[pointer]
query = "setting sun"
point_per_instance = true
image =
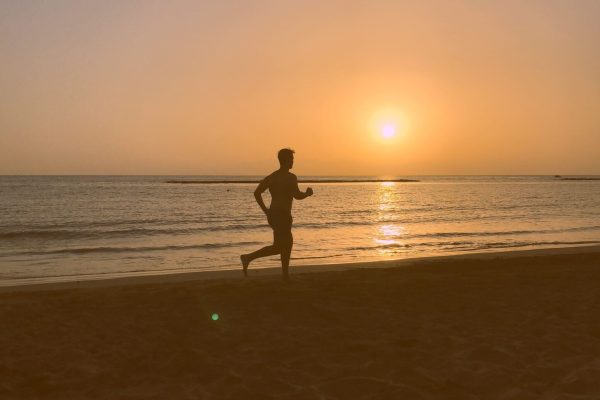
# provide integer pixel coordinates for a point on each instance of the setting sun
(387, 124)
(388, 130)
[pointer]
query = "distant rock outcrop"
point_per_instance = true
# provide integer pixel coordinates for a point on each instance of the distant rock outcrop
(299, 181)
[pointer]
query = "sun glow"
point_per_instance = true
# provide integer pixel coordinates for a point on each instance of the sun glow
(388, 124)
(388, 130)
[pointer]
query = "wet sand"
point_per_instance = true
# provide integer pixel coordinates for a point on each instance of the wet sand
(520, 325)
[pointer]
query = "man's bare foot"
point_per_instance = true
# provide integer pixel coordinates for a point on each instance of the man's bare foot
(245, 263)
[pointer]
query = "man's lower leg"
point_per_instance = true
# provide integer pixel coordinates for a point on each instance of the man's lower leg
(286, 253)
(264, 252)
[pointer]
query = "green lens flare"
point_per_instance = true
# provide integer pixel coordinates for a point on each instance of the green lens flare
(215, 316)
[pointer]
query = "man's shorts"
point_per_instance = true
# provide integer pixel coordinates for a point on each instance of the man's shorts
(280, 220)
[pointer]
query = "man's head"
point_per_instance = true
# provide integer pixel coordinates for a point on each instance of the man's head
(286, 158)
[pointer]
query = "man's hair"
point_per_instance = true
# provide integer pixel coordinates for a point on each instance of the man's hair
(285, 154)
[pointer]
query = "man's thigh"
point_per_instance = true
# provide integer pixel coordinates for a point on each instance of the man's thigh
(283, 237)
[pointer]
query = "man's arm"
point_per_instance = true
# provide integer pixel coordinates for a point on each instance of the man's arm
(298, 195)
(262, 186)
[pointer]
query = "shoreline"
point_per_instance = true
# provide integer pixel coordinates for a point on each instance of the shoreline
(152, 277)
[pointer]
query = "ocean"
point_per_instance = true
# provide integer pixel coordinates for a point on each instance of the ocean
(73, 227)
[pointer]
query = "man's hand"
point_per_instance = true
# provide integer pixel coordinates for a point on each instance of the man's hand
(309, 192)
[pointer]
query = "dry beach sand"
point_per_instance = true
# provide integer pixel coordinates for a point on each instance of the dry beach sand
(520, 325)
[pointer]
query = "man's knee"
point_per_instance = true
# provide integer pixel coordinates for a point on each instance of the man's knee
(287, 245)
(287, 238)
(277, 245)
(284, 246)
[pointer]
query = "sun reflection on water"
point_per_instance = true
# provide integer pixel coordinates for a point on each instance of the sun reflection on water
(386, 196)
(388, 234)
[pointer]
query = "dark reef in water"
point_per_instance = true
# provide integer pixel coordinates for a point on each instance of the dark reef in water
(580, 179)
(301, 181)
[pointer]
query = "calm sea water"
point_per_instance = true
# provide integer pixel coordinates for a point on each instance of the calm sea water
(76, 226)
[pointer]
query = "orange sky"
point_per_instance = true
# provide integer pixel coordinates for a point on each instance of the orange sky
(190, 87)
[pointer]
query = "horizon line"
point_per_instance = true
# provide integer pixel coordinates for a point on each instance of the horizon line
(381, 176)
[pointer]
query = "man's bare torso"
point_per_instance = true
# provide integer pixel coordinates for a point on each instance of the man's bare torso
(282, 185)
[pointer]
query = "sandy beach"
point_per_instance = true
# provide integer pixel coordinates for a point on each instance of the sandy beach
(519, 325)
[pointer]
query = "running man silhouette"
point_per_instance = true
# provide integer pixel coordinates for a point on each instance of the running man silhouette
(283, 186)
